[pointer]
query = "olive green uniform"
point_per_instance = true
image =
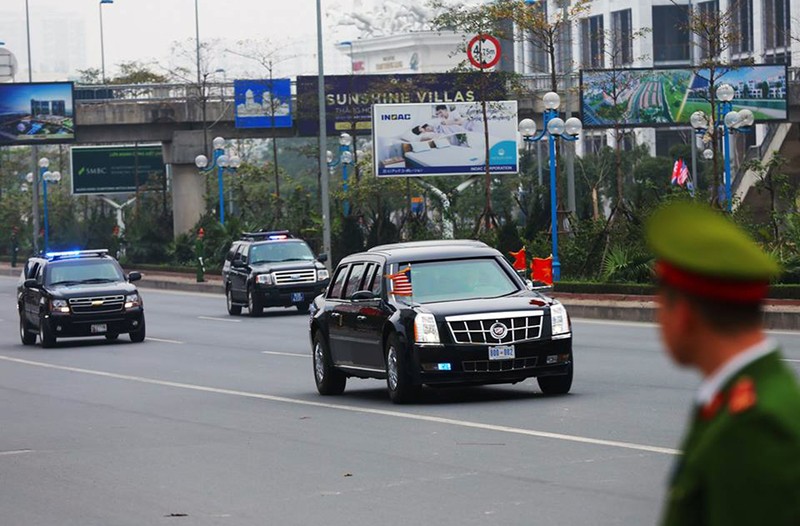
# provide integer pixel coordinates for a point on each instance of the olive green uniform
(742, 467)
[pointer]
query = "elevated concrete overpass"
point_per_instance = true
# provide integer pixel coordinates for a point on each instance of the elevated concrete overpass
(184, 118)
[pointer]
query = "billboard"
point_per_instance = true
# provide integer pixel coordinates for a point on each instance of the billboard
(36, 113)
(669, 96)
(349, 98)
(444, 139)
(114, 169)
(254, 99)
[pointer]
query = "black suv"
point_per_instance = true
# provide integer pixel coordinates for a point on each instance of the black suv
(272, 269)
(437, 313)
(78, 293)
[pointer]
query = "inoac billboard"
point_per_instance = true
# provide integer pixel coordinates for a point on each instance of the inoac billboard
(114, 169)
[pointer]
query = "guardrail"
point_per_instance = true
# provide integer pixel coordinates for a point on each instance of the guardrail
(110, 93)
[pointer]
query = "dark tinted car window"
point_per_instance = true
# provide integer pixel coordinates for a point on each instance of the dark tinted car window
(338, 281)
(456, 280)
(376, 283)
(276, 252)
(354, 281)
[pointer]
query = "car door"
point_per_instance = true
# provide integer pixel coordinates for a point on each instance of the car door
(238, 275)
(370, 316)
(27, 296)
(337, 340)
(36, 294)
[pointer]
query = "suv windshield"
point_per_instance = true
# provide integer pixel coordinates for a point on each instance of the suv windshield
(459, 280)
(276, 252)
(82, 271)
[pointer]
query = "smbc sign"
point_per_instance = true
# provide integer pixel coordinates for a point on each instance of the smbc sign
(114, 169)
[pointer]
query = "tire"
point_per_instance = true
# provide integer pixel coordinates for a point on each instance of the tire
(254, 306)
(27, 337)
(556, 385)
(233, 310)
(402, 389)
(46, 336)
(138, 335)
(302, 308)
(329, 379)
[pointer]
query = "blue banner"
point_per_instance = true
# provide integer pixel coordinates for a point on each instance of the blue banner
(263, 103)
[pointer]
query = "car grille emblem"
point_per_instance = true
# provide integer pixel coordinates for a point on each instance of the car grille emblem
(97, 303)
(498, 330)
(295, 277)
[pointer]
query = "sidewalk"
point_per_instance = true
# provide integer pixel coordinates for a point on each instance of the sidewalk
(778, 314)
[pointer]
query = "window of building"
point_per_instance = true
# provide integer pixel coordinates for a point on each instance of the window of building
(622, 38)
(708, 12)
(777, 24)
(670, 33)
(594, 142)
(564, 56)
(592, 42)
(743, 26)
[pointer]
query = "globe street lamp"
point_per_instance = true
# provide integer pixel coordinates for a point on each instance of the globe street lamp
(555, 128)
(47, 177)
(345, 159)
(222, 162)
(727, 119)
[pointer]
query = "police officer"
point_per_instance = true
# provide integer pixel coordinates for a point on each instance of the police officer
(741, 454)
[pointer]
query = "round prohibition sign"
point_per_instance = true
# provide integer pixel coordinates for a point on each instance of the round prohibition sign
(483, 51)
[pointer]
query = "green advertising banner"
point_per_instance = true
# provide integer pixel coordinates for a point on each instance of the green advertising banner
(114, 169)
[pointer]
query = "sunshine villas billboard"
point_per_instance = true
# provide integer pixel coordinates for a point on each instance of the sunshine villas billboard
(669, 96)
(444, 139)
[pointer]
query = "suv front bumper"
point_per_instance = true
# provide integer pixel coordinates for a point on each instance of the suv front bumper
(66, 325)
(288, 295)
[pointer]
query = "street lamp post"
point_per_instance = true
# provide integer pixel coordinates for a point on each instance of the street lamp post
(102, 40)
(222, 162)
(727, 120)
(47, 177)
(346, 159)
(555, 128)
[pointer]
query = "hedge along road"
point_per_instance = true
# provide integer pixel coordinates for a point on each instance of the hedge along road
(217, 417)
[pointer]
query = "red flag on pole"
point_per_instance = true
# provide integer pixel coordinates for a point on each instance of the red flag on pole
(542, 270)
(520, 259)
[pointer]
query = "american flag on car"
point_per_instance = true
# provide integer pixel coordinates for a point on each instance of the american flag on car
(401, 282)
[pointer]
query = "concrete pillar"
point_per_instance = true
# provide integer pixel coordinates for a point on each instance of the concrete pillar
(188, 197)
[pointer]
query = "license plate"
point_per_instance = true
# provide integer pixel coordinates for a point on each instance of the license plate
(501, 352)
(98, 328)
(297, 297)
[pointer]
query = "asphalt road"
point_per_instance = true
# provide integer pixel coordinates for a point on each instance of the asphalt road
(215, 420)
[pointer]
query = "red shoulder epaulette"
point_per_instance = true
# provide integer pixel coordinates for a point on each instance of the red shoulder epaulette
(742, 395)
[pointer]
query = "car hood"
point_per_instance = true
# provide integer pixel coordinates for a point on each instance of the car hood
(97, 289)
(521, 301)
(286, 265)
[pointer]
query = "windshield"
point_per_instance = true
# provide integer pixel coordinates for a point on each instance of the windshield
(459, 280)
(276, 252)
(83, 271)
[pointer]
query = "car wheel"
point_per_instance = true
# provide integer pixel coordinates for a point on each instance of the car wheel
(401, 388)
(139, 334)
(25, 334)
(556, 385)
(302, 308)
(254, 305)
(112, 336)
(46, 335)
(233, 310)
(329, 379)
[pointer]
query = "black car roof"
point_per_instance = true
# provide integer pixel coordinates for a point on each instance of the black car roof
(446, 249)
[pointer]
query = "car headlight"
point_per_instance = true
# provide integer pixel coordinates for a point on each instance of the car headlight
(59, 306)
(559, 321)
(322, 275)
(264, 279)
(425, 329)
(133, 300)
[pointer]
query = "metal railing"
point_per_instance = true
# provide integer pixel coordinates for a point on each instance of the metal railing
(110, 93)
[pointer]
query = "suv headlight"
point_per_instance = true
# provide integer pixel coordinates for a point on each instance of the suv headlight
(132, 301)
(425, 329)
(59, 306)
(322, 275)
(559, 321)
(264, 279)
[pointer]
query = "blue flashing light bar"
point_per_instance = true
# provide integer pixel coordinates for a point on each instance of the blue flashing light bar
(66, 254)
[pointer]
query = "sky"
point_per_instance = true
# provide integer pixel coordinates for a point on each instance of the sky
(69, 30)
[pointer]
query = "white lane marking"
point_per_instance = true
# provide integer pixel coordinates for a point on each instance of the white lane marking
(356, 409)
(154, 290)
(218, 319)
(788, 360)
(276, 353)
(16, 452)
(164, 340)
(643, 324)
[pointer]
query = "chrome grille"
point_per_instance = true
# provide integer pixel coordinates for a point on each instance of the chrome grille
(476, 328)
(97, 304)
(498, 366)
(292, 277)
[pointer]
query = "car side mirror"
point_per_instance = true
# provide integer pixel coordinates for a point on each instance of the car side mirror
(362, 295)
(531, 286)
(238, 264)
(134, 276)
(30, 284)
(322, 258)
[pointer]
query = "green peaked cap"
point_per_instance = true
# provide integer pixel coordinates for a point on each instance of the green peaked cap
(698, 239)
